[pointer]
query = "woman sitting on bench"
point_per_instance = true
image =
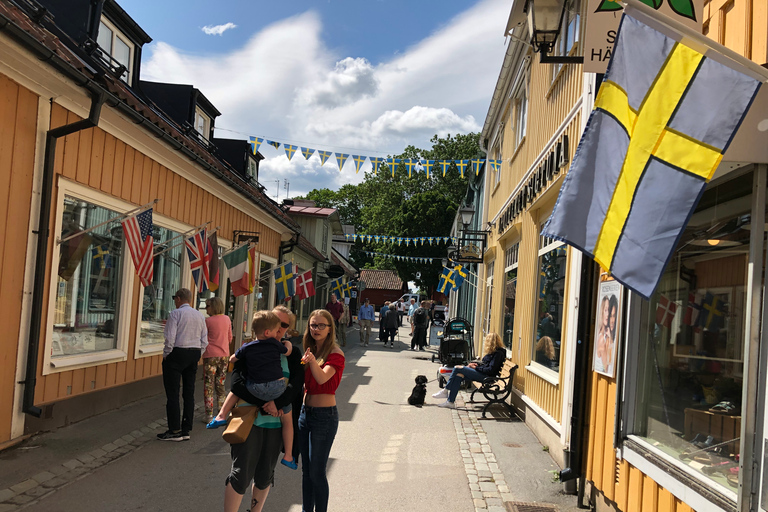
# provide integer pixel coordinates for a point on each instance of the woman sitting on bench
(490, 366)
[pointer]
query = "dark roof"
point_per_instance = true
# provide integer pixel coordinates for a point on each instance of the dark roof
(311, 211)
(123, 98)
(381, 279)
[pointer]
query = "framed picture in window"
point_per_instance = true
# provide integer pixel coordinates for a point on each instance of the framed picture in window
(607, 327)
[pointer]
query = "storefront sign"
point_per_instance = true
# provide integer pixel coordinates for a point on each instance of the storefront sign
(603, 18)
(548, 169)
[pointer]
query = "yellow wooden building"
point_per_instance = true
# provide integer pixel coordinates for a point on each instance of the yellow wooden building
(674, 419)
(82, 335)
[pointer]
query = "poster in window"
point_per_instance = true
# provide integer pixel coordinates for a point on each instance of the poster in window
(607, 328)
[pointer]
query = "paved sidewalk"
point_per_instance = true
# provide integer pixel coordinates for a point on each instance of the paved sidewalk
(387, 456)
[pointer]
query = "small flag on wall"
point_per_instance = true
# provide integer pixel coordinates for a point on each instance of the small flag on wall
(305, 288)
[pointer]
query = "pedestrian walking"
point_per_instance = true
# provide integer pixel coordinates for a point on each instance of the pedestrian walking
(319, 420)
(216, 356)
(411, 310)
(382, 314)
(335, 308)
(343, 321)
(389, 326)
(400, 312)
(186, 338)
(420, 323)
(254, 461)
(366, 317)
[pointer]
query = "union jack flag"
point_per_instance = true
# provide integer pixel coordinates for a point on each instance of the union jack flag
(138, 236)
(199, 259)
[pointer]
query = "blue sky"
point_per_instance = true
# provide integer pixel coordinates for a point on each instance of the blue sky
(363, 77)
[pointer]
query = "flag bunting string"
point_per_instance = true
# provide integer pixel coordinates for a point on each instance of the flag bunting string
(397, 257)
(399, 240)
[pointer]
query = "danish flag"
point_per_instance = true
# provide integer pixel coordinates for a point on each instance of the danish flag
(305, 288)
(665, 311)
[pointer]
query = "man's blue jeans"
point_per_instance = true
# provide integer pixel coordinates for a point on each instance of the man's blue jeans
(317, 430)
(455, 380)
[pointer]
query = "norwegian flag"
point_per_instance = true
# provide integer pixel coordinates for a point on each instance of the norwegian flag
(138, 236)
(691, 316)
(305, 288)
(199, 259)
(665, 311)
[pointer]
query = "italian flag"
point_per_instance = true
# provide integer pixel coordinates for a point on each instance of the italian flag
(241, 264)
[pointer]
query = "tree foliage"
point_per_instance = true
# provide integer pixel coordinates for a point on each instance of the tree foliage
(405, 206)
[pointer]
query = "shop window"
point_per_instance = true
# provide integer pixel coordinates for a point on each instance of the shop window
(157, 301)
(510, 288)
(90, 280)
(549, 299)
(488, 299)
(692, 337)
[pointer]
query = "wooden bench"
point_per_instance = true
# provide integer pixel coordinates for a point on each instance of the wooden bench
(497, 389)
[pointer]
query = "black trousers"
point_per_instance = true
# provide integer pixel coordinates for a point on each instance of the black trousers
(179, 370)
(419, 338)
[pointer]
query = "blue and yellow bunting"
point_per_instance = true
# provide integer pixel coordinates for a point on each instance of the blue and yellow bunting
(324, 156)
(341, 158)
(307, 152)
(289, 150)
(255, 142)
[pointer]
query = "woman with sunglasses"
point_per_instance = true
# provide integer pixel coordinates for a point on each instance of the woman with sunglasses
(319, 419)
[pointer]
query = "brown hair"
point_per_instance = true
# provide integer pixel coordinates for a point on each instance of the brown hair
(216, 305)
(546, 347)
(330, 340)
(263, 320)
(492, 343)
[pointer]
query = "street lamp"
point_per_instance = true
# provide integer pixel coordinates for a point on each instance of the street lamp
(466, 213)
(545, 17)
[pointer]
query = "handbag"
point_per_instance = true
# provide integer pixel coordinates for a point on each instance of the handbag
(240, 425)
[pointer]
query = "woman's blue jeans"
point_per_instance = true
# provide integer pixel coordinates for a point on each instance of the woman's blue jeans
(317, 430)
(455, 381)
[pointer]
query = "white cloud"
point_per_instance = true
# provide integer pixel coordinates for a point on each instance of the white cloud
(217, 30)
(287, 85)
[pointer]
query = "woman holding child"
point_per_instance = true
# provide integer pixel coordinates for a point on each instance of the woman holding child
(319, 419)
(254, 461)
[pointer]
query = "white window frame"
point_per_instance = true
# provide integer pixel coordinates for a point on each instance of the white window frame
(186, 280)
(521, 116)
(488, 298)
(563, 46)
(206, 122)
(511, 262)
(117, 33)
(120, 352)
(545, 245)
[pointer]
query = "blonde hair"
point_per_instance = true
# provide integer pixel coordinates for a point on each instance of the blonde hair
(284, 310)
(546, 346)
(492, 343)
(263, 320)
(330, 340)
(216, 305)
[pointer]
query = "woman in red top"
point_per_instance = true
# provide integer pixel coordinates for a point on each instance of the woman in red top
(319, 419)
(216, 357)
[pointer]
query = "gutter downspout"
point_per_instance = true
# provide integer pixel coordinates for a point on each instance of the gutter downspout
(43, 232)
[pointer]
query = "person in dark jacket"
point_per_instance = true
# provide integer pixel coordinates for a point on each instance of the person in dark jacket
(389, 326)
(420, 326)
(490, 366)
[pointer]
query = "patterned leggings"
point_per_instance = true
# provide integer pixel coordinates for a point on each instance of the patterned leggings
(214, 374)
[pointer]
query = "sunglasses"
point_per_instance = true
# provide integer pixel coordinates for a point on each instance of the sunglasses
(284, 325)
(318, 327)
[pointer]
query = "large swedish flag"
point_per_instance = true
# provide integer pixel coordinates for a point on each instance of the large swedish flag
(285, 282)
(663, 117)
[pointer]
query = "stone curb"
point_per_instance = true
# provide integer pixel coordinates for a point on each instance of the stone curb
(486, 482)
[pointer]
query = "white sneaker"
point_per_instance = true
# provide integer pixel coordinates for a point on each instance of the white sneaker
(448, 405)
(443, 393)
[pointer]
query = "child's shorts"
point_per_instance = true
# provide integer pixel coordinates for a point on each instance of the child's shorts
(266, 390)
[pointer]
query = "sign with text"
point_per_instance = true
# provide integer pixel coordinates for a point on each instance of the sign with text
(603, 18)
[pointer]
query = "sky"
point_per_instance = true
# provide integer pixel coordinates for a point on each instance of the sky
(364, 77)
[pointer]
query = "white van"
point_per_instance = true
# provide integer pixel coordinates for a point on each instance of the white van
(408, 296)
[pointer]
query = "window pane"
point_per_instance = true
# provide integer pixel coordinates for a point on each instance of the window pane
(265, 284)
(509, 307)
(692, 331)
(158, 296)
(104, 39)
(89, 282)
(122, 54)
(550, 308)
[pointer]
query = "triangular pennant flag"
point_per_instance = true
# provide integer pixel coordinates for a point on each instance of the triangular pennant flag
(461, 165)
(427, 166)
(273, 143)
(359, 161)
(410, 165)
(444, 165)
(307, 152)
(289, 150)
(392, 163)
(476, 165)
(340, 159)
(255, 142)
(376, 162)
(323, 156)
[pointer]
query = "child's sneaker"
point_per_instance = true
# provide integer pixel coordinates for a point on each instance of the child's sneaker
(289, 463)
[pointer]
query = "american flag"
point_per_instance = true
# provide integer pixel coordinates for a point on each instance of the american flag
(199, 259)
(305, 288)
(138, 235)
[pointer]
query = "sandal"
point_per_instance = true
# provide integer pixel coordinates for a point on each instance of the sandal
(724, 407)
(214, 423)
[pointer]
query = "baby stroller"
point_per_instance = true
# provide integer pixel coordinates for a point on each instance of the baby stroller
(455, 348)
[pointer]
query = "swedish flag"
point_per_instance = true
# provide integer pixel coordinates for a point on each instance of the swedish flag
(323, 156)
(392, 163)
(340, 159)
(461, 165)
(285, 282)
(290, 150)
(255, 142)
(427, 165)
(447, 282)
(336, 288)
(307, 152)
(273, 143)
(444, 165)
(663, 117)
(359, 161)
(410, 165)
(376, 163)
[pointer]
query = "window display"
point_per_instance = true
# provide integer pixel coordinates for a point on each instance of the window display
(89, 281)
(552, 258)
(510, 288)
(693, 337)
(157, 302)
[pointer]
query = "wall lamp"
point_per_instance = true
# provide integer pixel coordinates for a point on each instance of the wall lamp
(545, 17)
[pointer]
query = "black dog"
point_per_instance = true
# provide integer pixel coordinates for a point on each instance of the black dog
(419, 391)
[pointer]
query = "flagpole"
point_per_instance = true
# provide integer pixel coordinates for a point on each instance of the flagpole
(125, 215)
(182, 242)
(190, 232)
